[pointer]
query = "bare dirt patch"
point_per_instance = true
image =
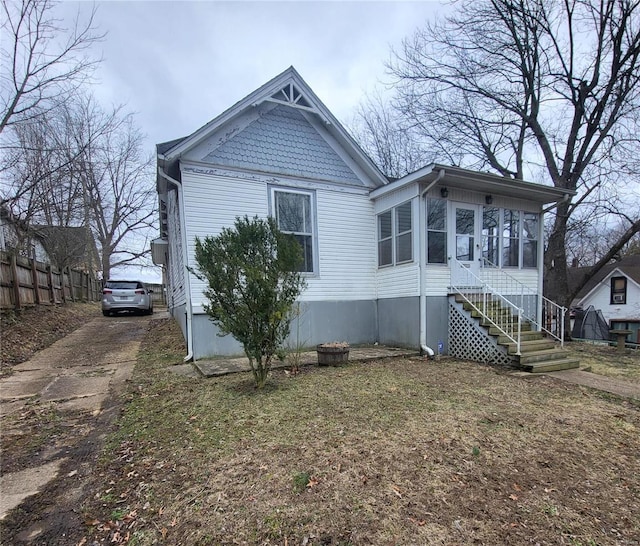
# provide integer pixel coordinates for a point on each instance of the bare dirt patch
(396, 452)
(34, 328)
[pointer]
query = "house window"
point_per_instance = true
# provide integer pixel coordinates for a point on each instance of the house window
(293, 213)
(530, 240)
(404, 239)
(618, 290)
(511, 238)
(385, 239)
(490, 235)
(436, 231)
(395, 235)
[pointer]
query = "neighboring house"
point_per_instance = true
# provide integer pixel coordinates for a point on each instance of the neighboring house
(615, 291)
(60, 246)
(383, 259)
(69, 246)
(15, 236)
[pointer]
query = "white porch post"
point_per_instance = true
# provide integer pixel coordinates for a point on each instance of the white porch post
(540, 270)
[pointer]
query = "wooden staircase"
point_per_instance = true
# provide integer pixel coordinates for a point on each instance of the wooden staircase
(538, 353)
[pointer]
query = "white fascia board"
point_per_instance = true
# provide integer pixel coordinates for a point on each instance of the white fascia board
(411, 178)
(457, 177)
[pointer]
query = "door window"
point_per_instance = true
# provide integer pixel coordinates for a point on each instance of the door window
(465, 229)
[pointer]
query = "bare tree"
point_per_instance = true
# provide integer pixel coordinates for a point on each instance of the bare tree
(387, 137)
(510, 85)
(119, 194)
(81, 166)
(42, 62)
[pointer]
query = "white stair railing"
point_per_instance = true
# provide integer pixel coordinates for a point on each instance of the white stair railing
(526, 298)
(493, 307)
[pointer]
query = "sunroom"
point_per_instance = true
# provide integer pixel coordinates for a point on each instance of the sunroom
(449, 238)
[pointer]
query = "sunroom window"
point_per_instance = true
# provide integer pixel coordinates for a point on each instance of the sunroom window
(294, 215)
(511, 238)
(491, 235)
(404, 240)
(530, 240)
(436, 231)
(395, 235)
(385, 239)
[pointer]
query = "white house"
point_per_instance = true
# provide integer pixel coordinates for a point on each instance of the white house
(615, 291)
(402, 262)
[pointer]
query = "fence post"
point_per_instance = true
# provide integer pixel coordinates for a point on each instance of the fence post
(34, 282)
(16, 283)
(71, 287)
(50, 287)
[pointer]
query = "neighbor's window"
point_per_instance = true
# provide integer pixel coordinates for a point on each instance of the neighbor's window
(511, 238)
(530, 240)
(293, 213)
(618, 290)
(385, 239)
(404, 240)
(491, 235)
(436, 231)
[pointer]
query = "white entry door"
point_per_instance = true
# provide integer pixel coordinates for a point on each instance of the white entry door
(464, 241)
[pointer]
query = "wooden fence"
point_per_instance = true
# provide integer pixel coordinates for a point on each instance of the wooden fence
(25, 282)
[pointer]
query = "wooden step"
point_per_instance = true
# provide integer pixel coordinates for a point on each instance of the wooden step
(529, 335)
(540, 356)
(531, 346)
(525, 327)
(552, 365)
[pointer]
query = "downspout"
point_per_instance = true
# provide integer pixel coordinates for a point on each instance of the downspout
(185, 260)
(422, 228)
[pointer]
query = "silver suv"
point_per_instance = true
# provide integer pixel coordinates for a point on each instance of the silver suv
(126, 296)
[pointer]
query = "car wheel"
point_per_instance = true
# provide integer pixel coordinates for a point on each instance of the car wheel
(106, 313)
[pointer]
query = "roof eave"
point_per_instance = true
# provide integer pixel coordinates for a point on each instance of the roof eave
(457, 177)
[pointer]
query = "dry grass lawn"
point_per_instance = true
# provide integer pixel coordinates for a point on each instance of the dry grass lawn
(605, 360)
(393, 452)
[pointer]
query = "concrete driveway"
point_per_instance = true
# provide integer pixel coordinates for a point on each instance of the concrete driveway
(75, 377)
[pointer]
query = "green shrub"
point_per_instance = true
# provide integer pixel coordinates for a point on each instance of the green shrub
(253, 280)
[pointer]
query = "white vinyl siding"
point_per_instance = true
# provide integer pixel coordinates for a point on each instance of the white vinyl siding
(176, 293)
(399, 282)
(214, 202)
(346, 234)
(346, 248)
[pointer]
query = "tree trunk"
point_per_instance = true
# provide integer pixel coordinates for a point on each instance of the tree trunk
(556, 283)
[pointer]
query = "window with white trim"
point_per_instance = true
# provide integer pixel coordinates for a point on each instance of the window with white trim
(395, 235)
(511, 238)
(293, 211)
(618, 291)
(436, 231)
(530, 239)
(491, 235)
(404, 237)
(385, 239)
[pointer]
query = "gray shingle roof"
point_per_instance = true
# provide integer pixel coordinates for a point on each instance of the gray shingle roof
(282, 141)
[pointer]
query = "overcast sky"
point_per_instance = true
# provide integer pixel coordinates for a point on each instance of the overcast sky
(179, 64)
